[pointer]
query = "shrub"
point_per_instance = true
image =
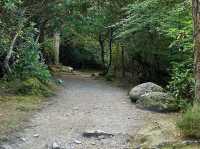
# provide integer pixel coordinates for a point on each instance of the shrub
(182, 83)
(30, 63)
(110, 76)
(48, 51)
(189, 122)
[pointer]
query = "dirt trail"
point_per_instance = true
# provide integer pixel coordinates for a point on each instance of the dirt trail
(83, 104)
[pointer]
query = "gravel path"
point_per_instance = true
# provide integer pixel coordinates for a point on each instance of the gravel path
(83, 104)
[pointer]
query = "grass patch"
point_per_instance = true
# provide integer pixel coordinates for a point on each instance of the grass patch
(18, 99)
(189, 124)
(14, 110)
(182, 147)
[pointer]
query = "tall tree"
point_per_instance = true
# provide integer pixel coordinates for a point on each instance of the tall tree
(196, 23)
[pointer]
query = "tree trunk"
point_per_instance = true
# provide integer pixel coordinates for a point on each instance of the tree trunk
(6, 66)
(42, 25)
(196, 29)
(56, 47)
(123, 62)
(110, 49)
(101, 43)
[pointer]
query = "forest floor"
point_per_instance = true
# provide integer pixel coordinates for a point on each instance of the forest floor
(83, 105)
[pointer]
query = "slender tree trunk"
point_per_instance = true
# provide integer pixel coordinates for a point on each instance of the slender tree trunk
(110, 46)
(41, 34)
(110, 49)
(196, 28)
(123, 62)
(56, 47)
(9, 54)
(101, 43)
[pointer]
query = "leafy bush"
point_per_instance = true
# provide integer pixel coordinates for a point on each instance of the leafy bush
(29, 74)
(30, 63)
(48, 51)
(182, 82)
(189, 122)
(110, 76)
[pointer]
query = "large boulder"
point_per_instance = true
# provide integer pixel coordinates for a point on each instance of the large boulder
(157, 101)
(136, 93)
(61, 68)
(67, 69)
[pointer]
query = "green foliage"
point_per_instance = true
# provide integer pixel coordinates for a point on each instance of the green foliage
(48, 51)
(189, 122)
(182, 82)
(110, 76)
(30, 62)
(159, 34)
(170, 16)
(10, 4)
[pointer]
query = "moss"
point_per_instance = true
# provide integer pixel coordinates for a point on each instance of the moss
(33, 86)
(18, 99)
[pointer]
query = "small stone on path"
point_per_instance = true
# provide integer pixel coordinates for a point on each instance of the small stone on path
(75, 108)
(55, 145)
(97, 134)
(23, 139)
(67, 114)
(93, 143)
(36, 135)
(101, 137)
(77, 142)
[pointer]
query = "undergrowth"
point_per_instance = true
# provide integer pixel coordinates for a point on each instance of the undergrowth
(189, 122)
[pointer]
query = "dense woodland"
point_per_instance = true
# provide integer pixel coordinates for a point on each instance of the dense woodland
(141, 40)
(136, 40)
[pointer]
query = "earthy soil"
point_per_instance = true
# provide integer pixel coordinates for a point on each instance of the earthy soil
(83, 104)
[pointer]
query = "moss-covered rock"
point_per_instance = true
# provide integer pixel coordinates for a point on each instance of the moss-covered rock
(157, 101)
(137, 92)
(33, 86)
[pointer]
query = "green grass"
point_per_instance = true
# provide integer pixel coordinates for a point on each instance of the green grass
(182, 147)
(14, 110)
(189, 122)
(18, 100)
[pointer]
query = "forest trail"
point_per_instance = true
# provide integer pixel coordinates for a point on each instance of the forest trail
(83, 104)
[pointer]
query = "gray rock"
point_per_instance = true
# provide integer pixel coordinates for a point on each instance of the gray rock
(95, 75)
(67, 114)
(136, 93)
(67, 69)
(75, 108)
(77, 142)
(36, 135)
(157, 101)
(101, 137)
(55, 145)
(96, 134)
(23, 139)
(93, 143)
(60, 81)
